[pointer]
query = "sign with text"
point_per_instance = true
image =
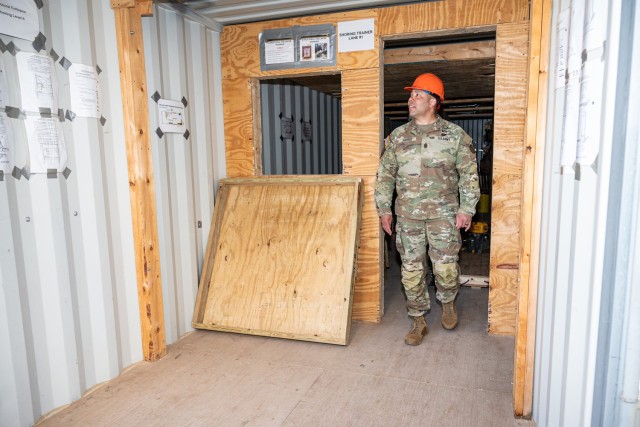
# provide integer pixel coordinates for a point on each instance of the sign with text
(19, 18)
(355, 35)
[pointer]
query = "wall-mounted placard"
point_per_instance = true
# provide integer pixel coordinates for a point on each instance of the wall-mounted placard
(171, 116)
(298, 47)
(19, 18)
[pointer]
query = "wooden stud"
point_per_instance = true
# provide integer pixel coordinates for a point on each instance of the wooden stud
(540, 35)
(141, 181)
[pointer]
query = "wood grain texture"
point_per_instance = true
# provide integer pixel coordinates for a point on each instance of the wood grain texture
(368, 297)
(442, 52)
(508, 145)
(142, 194)
(502, 294)
(361, 105)
(241, 49)
(238, 127)
(540, 36)
(422, 17)
(361, 127)
(285, 258)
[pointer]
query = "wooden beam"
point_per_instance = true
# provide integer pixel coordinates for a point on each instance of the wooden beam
(137, 133)
(532, 174)
(441, 52)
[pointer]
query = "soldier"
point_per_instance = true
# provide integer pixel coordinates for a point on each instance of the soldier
(430, 162)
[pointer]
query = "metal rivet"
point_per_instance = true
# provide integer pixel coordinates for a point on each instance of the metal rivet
(131, 33)
(28, 219)
(75, 213)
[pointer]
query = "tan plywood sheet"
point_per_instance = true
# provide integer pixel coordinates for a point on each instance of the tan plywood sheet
(281, 258)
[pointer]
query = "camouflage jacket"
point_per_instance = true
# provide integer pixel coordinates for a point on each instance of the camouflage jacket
(429, 166)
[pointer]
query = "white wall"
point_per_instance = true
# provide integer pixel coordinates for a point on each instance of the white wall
(69, 315)
(585, 301)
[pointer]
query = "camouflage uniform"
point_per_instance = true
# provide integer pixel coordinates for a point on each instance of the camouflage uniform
(433, 169)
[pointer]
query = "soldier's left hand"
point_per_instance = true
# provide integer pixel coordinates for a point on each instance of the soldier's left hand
(463, 221)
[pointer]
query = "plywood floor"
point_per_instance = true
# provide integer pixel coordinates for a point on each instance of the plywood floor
(455, 378)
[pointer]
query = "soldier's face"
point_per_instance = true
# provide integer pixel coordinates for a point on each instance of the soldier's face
(419, 104)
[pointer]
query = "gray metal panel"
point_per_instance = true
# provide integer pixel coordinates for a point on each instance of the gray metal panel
(69, 316)
(240, 11)
(322, 155)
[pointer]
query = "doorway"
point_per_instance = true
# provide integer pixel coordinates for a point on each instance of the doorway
(466, 64)
(301, 129)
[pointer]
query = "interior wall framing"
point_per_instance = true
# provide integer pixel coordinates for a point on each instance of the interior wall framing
(362, 122)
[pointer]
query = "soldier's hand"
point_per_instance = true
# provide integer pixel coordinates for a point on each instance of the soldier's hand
(386, 220)
(463, 221)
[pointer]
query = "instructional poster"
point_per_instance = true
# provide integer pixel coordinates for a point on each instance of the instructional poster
(171, 116)
(19, 18)
(278, 51)
(6, 144)
(84, 88)
(46, 144)
(37, 84)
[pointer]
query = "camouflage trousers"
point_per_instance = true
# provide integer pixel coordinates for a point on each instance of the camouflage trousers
(444, 242)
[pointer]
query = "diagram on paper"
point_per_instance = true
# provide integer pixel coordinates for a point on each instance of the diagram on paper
(46, 144)
(37, 84)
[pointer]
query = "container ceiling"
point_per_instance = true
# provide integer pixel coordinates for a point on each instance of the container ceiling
(228, 12)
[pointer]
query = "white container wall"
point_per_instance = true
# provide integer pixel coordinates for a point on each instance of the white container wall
(587, 336)
(69, 316)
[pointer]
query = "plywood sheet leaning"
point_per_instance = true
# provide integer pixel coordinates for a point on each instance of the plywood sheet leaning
(281, 258)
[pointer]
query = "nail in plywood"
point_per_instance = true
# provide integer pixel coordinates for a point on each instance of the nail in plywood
(281, 258)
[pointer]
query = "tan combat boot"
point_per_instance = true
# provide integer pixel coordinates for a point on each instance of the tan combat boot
(417, 332)
(449, 315)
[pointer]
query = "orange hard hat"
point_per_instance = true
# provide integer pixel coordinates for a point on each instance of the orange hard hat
(430, 83)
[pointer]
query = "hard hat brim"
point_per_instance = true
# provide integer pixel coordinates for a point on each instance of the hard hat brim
(410, 88)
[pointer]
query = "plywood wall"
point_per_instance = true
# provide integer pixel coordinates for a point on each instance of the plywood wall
(361, 104)
(512, 41)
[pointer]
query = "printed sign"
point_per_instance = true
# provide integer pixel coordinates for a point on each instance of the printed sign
(355, 35)
(19, 18)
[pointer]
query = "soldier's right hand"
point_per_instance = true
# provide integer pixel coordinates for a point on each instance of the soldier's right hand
(386, 220)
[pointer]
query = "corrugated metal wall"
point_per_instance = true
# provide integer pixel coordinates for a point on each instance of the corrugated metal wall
(585, 298)
(321, 155)
(69, 315)
(474, 127)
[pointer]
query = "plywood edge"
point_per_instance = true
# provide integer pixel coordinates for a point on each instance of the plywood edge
(293, 179)
(356, 246)
(265, 333)
(212, 244)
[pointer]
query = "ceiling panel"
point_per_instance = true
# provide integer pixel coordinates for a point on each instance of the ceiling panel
(228, 12)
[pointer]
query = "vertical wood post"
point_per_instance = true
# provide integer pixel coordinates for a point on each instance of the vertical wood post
(532, 174)
(128, 14)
